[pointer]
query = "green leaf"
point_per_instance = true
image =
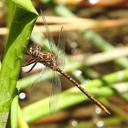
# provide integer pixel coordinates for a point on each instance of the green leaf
(25, 5)
(21, 27)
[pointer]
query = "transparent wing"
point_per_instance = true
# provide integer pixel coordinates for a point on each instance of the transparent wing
(56, 89)
(48, 34)
(58, 50)
(36, 78)
(61, 49)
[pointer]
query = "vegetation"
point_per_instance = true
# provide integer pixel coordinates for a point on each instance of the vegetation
(24, 27)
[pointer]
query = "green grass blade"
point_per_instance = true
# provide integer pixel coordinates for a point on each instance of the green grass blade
(14, 110)
(21, 121)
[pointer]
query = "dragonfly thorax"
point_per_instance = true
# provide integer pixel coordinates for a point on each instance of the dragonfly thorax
(48, 59)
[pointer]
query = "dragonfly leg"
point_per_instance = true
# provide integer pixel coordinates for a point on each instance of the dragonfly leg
(32, 67)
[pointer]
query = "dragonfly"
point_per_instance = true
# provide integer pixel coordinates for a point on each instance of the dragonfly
(49, 59)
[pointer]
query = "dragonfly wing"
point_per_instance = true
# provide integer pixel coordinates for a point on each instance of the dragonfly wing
(56, 89)
(58, 50)
(39, 77)
(61, 48)
(48, 34)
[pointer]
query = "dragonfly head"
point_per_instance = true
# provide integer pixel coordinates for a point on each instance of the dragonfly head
(34, 50)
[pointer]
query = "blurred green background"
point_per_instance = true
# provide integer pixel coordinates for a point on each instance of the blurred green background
(95, 55)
